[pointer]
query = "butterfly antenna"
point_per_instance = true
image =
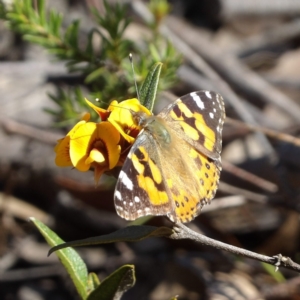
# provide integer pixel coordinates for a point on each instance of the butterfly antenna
(133, 72)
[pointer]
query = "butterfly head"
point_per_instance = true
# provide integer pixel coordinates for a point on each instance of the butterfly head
(140, 118)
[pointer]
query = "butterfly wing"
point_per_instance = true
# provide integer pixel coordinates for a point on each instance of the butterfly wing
(140, 189)
(174, 175)
(198, 118)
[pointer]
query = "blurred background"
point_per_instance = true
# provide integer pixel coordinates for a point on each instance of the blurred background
(248, 51)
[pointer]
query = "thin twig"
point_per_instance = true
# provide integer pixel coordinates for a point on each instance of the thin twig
(247, 176)
(233, 190)
(277, 36)
(261, 8)
(22, 209)
(225, 202)
(13, 127)
(283, 82)
(183, 232)
(269, 132)
(284, 290)
(195, 80)
(32, 273)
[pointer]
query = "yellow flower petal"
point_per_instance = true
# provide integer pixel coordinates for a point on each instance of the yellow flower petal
(80, 144)
(110, 137)
(95, 156)
(62, 149)
(93, 143)
(103, 113)
(86, 117)
(62, 158)
(121, 117)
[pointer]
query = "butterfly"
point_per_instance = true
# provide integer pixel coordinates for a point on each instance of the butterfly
(173, 167)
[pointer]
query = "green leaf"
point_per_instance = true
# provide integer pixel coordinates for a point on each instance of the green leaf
(141, 220)
(42, 13)
(27, 8)
(115, 285)
(93, 282)
(127, 234)
(154, 52)
(55, 21)
(149, 87)
(16, 17)
(94, 75)
(71, 35)
(43, 41)
(277, 275)
(73, 263)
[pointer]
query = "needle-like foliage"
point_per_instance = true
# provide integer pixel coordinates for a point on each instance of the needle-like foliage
(103, 66)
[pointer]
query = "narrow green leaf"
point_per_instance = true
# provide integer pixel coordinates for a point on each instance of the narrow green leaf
(149, 87)
(44, 41)
(2, 10)
(18, 6)
(58, 52)
(55, 20)
(127, 234)
(94, 75)
(42, 13)
(141, 221)
(115, 285)
(27, 8)
(71, 35)
(93, 282)
(277, 275)
(154, 52)
(73, 263)
(15, 17)
(50, 111)
(26, 28)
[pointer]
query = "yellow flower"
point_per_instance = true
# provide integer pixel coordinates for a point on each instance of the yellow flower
(89, 145)
(122, 119)
(120, 116)
(62, 149)
(103, 113)
(101, 146)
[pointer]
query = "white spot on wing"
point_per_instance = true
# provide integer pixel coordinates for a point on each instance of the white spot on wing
(119, 208)
(211, 115)
(137, 199)
(118, 195)
(126, 180)
(197, 99)
(208, 94)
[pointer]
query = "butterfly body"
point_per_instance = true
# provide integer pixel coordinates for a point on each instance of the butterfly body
(173, 168)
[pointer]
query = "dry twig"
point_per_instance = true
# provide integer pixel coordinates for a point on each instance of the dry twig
(183, 232)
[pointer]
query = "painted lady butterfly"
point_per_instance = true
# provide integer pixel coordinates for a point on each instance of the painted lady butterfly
(173, 168)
